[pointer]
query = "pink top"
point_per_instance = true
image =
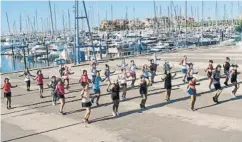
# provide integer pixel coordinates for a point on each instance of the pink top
(39, 79)
(84, 78)
(60, 89)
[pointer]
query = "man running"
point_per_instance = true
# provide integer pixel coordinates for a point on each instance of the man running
(234, 75)
(216, 82)
(226, 66)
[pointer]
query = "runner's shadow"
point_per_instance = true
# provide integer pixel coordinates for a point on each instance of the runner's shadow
(221, 102)
(123, 114)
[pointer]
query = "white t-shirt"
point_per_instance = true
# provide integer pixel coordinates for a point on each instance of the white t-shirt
(133, 68)
(27, 77)
(122, 78)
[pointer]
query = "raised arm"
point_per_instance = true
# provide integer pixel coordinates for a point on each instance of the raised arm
(14, 86)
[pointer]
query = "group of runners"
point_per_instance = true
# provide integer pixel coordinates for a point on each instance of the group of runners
(128, 73)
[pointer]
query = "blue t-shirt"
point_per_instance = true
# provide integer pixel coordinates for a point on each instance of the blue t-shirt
(96, 83)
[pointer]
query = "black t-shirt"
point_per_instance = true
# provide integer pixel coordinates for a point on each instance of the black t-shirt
(115, 92)
(234, 76)
(168, 80)
(226, 66)
(143, 88)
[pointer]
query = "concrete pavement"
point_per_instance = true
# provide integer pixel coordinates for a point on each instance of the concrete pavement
(35, 119)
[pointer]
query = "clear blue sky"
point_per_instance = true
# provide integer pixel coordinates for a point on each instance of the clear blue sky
(142, 9)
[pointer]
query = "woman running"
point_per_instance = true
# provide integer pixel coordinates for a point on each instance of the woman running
(133, 72)
(123, 82)
(7, 91)
(27, 75)
(216, 82)
(190, 72)
(39, 78)
(152, 70)
(167, 84)
(209, 71)
(61, 70)
(146, 73)
(167, 67)
(184, 68)
(226, 66)
(192, 91)
(123, 64)
(96, 88)
(115, 89)
(60, 90)
(234, 74)
(84, 79)
(86, 103)
(94, 71)
(143, 90)
(66, 76)
(52, 85)
(107, 74)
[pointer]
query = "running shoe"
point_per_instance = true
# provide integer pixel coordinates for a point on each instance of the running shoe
(214, 99)
(114, 114)
(117, 114)
(233, 95)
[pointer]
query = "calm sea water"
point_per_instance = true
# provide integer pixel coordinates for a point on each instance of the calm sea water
(10, 64)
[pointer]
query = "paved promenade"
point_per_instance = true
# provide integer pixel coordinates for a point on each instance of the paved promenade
(35, 119)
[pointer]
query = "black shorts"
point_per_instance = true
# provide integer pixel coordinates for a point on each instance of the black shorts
(88, 104)
(6, 95)
(167, 86)
(217, 86)
(209, 74)
(83, 84)
(115, 97)
(61, 96)
(28, 83)
(41, 85)
(124, 84)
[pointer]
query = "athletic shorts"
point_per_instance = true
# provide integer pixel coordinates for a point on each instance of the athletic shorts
(191, 92)
(96, 91)
(86, 105)
(61, 96)
(133, 74)
(6, 95)
(217, 86)
(209, 74)
(184, 71)
(41, 85)
(83, 84)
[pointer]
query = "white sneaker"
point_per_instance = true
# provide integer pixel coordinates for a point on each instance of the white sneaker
(114, 114)
(53, 103)
(233, 95)
(117, 114)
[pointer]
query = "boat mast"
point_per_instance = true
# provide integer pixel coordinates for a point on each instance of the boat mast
(20, 24)
(216, 14)
(232, 13)
(112, 12)
(8, 24)
(155, 18)
(186, 21)
(63, 23)
(36, 16)
(69, 20)
(55, 19)
(51, 18)
(202, 17)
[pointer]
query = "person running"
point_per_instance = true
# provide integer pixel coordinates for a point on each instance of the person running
(226, 66)
(146, 73)
(86, 103)
(7, 92)
(192, 91)
(234, 75)
(209, 71)
(133, 72)
(152, 70)
(66, 76)
(123, 82)
(155, 59)
(143, 90)
(184, 67)
(39, 78)
(27, 75)
(52, 85)
(216, 82)
(96, 88)
(115, 89)
(123, 64)
(166, 67)
(60, 91)
(61, 70)
(107, 74)
(84, 79)
(94, 71)
(167, 83)
(190, 72)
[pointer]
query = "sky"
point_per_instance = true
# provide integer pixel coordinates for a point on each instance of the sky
(138, 9)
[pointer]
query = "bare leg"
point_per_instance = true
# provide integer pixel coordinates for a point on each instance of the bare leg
(210, 84)
(168, 91)
(7, 101)
(193, 100)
